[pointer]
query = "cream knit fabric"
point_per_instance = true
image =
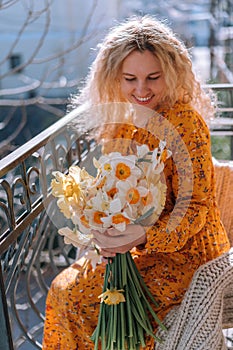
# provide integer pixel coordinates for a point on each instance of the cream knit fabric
(206, 308)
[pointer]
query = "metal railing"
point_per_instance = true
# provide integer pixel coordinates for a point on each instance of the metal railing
(31, 251)
(222, 125)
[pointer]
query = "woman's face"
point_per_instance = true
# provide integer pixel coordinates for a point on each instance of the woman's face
(142, 80)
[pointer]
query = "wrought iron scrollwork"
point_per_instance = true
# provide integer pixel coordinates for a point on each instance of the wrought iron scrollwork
(31, 251)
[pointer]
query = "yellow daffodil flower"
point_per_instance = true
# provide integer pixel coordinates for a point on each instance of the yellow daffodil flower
(112, 296)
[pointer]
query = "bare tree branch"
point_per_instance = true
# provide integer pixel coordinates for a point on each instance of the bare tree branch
(38, 46)
(7, 119)
(83, 38)
(33, 91)
(6, 4)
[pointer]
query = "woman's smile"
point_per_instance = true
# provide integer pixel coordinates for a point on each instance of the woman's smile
(142, 79)
(143, 100)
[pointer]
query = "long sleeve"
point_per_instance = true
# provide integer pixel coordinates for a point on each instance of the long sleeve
(190, 198)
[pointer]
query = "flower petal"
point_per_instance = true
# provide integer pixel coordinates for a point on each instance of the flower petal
(115, 206)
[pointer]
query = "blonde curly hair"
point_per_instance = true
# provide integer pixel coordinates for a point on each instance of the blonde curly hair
(144, 33)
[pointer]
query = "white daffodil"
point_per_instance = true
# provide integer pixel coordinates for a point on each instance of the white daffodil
(75, 237)
(100, 201)
(80, 176)
(117, 220)
(82, 222)
(155, 199)
(64, 207)
(104, 164)
(130, 193)
(72, 187)
(142, 151)
(115, 206)
(126, 169)
(155, 168)
(94, 258)
(151, 199)
(159, 156)
(95, 218)
(125, 190)
(57, 184)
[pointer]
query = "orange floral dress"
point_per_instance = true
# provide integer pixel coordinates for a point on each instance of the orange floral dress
(172, 253)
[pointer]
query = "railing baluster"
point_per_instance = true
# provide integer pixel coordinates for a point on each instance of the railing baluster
(5, 330)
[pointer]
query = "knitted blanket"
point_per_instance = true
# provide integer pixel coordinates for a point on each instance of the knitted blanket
(206, 309)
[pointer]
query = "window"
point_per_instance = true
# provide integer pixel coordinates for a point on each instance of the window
(15, 61)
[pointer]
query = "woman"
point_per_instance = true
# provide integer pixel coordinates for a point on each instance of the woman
(142, 62)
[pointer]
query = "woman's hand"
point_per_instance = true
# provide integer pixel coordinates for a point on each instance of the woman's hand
(112, 241)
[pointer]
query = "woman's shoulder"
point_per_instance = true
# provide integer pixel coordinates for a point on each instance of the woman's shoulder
(186, 115)
(180, 109)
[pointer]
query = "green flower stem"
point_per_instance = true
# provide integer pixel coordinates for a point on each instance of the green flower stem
(114, 336)
(136, 300)
(103, 327)
(123, 326)
(140, 334)
(139, 277)
(139, 319)
(100, 328)
(128, 315)
(143, 160)
(122, 263)
(110, 274)
(115, 275)
(111, 339)
(145, 215)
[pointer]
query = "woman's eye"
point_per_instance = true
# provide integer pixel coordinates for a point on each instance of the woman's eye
(154, 78)
(130, 79)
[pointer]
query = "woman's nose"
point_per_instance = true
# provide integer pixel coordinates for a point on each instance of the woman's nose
(141, 87)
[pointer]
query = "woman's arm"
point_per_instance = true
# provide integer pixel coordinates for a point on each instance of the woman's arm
(171, 232)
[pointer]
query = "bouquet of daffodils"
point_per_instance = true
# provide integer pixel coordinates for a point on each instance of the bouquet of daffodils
(126, 190)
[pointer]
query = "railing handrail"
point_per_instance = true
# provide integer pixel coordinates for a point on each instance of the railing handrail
(219, 86)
